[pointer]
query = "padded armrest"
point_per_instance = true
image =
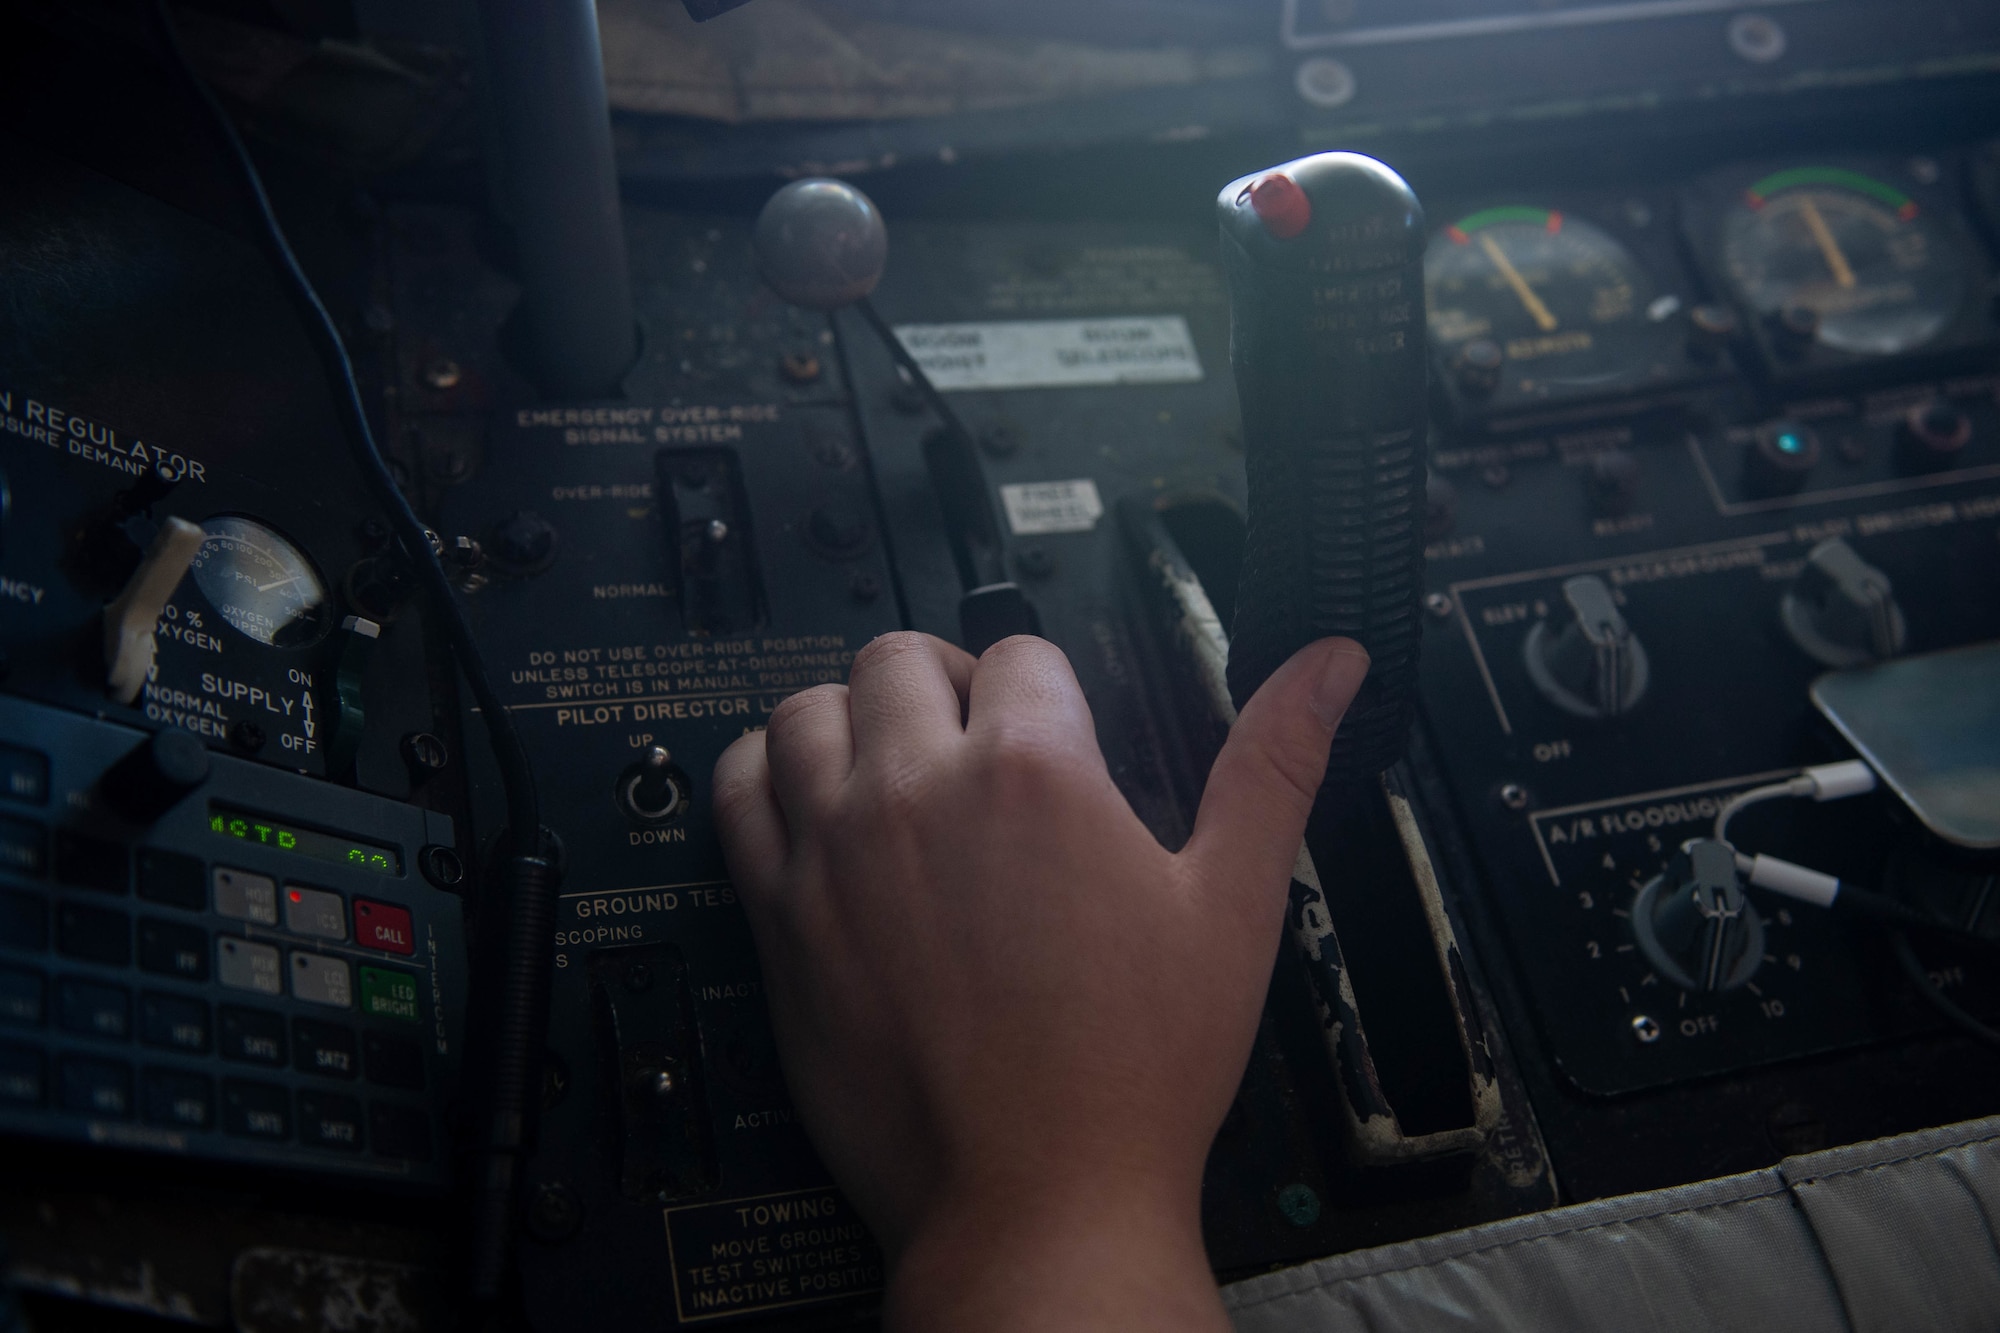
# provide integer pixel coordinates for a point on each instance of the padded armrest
(1895, 1234)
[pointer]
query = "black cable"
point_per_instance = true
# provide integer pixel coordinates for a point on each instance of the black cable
(518, 1005)
(1866, 904)
(516, 777)
(1920, 977)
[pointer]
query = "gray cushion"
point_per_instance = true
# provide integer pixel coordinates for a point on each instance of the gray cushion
(1894, 1234)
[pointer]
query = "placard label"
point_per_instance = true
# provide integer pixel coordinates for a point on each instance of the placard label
(767, 1253)
(1036, 508)
(1054, 353)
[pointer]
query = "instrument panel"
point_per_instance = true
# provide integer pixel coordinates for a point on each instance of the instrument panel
(1702, 432)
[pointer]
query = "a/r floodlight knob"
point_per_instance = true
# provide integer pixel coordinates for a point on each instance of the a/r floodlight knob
(821, 244)
(1694, 923)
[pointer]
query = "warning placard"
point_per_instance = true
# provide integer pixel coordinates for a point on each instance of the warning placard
(768, 1252)
(1038, 507)
(1054, 353)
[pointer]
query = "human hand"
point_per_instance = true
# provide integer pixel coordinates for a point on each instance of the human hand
(1011, 1020)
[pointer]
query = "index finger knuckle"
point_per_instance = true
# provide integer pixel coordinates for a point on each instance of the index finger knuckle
(803, 706)
(893, 645)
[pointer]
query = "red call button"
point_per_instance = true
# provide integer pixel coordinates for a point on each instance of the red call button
(380, 926)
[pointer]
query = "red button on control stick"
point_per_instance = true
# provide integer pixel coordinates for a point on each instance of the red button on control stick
(380, 926)
(1281, 205)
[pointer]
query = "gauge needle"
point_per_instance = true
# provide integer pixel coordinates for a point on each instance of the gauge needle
(1843, 273)
(1543, 319)
(266, 587)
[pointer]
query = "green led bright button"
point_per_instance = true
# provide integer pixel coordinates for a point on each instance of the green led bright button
(386, 993)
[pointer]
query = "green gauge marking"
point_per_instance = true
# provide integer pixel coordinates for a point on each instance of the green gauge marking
(1793, 178)
(1461, 230)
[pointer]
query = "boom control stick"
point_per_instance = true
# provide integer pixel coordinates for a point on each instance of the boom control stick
(821, 245)
(1324, 258)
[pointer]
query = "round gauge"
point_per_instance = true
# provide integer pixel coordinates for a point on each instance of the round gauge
(1537, 303)
(1839, 258)
(260, 583)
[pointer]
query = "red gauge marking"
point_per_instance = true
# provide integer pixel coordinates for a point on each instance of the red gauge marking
(1281, 205)
(1555, 222)
(1458, 235)
(1908, 211)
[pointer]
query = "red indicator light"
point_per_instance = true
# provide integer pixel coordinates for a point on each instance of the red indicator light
(297, 897)
(1281, 205)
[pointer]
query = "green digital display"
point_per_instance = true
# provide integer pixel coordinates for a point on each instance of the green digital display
(262, 831)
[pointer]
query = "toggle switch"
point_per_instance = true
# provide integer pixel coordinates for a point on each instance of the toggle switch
(1595, 666)
(714, 561)
(649, 1073)
(1440, 506)
(131, 617)
(357, 644)
(1612, 482)
(654, 790)
(1841, 610)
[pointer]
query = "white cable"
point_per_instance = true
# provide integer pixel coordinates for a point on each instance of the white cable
(1735, 805)
(1835, 782)
(1822, 782)
(1794, 881)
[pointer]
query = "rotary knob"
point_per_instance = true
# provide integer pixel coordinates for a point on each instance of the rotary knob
(1477, 367)
(1841, 610)
(1694, 923)
(1711, 329)
(1793, 329)
(1594, 667)
(1932, 436)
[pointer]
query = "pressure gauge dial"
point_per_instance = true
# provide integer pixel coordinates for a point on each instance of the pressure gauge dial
(1528, 302)
(1831, 256)
(261, 584)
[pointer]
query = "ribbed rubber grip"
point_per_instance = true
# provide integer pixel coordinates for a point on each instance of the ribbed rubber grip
(1327, 342)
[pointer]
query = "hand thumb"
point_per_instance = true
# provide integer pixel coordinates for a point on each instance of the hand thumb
(1253, 813)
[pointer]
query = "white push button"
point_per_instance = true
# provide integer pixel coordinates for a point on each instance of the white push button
(317, 979)
(241, 965)
(315, 912)
(242, 896)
